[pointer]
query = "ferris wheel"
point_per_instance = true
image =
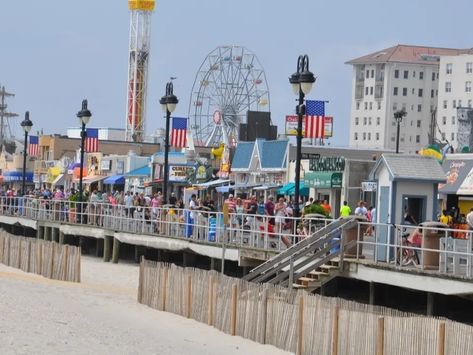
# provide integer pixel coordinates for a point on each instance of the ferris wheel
(230, 82)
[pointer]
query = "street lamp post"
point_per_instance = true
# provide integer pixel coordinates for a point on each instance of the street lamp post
(168, 104)
(26, 124)
(398, 116)
(301, 82)
(84, 117)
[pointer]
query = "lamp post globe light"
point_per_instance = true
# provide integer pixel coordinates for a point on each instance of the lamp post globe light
(301, 82)
(84, 116)
(168, 104)
(26, 124)
(398, 116)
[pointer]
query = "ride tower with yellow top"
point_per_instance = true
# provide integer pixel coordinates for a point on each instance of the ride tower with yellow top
(138, 59)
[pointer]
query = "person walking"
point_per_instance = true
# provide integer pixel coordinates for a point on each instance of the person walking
(361, 209)
(345, 210)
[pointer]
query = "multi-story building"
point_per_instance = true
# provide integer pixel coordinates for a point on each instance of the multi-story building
(395, 78)
(455, 95)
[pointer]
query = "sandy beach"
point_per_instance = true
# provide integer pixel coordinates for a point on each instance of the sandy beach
(100, 316)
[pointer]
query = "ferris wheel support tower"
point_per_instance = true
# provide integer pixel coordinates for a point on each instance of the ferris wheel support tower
(138, 58)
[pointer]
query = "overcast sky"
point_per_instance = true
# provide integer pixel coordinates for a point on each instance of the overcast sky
(54, 53)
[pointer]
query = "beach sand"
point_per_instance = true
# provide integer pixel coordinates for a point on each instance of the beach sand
(100, 316)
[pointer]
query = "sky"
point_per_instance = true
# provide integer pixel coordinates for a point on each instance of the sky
(54, 53)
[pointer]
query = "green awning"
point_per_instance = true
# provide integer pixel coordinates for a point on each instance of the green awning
(323, 179)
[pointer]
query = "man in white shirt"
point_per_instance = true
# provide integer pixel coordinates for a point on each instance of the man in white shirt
(361, 209)
(469, 219)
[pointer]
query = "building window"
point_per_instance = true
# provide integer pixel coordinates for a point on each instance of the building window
(356, 136)
(433, 76)
(468, 86)
(378, 121)
(396, 74)
(395, 91)
(364, 121)
(367, 90)
(393, 138)
(364, 136)
(444, 120)
(413, 91)
(469, 68)
(419, 108)
(404, 107)
(412, 107)
(459, 103)
(394, 106)
(371, 90)
(448, 86)
(372, 73)
(377, 136)
(449, 68)
(443, 136)
(431, 108)
(417, 139)
(445, 103)
(421, 92)
(404, 91)
(406, 74)
(366, 105)
(358, 105)
(432, 93)
(371, 105)
(379, 105)
(369, 136)
(453, 136)
(454, 103)
(418, 123)
(357, 121)
(421, 75)
(469, 103)
(369, 121)
(367, 74)
(453, 120)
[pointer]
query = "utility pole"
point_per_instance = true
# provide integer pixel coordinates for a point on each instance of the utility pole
(4, 115)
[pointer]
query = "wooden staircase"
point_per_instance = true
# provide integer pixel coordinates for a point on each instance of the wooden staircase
(316, 278)
(309, 263)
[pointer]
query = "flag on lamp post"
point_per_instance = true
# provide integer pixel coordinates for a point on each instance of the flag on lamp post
(178, 132)
(92, 140)
(33, 146)
(314, 119)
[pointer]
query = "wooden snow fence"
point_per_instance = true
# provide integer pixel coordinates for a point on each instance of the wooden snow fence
(295, 320)
(49, 259)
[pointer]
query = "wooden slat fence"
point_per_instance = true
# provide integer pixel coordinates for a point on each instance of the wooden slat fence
(49, 259)
(295, 320)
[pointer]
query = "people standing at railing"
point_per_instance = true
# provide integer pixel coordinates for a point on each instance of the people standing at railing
(128, 202)
(445, 218)
(345, 210)
(361, 209)
(328, 209)
(173, 199)
(251, 210)
(280, 212)
(269, 209)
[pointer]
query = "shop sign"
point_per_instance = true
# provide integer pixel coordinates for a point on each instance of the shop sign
(106, 165)
(323, 180)
(327, 164)
(201, 173)
(180, 173)
(369, 186)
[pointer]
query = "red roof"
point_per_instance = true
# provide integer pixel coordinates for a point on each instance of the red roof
(409, 54)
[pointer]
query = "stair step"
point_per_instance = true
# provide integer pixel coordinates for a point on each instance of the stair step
(335, 261)
(328, 267)
(316, 275)
(306, 281)
(298, 286)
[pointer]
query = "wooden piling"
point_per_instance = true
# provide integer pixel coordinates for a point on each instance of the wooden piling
(380, 337)
(210, 301)
(65, 262)
(441, 339)
(165, 287)
(140, 280)
(300, 327)
(335, 331)
(116, 250)
(234, 305)
(189, 296)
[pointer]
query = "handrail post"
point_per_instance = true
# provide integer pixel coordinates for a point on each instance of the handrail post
(422, 249)
(291, 272)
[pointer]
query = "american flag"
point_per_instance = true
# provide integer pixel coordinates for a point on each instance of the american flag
(314, 119)
(92, 140)
(178, 133)
(33, 147)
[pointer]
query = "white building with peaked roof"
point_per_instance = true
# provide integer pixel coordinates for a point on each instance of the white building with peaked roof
(395, 78)
(455, 93)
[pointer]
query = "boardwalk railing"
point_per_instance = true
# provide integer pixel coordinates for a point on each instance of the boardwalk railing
(295, 320)
(243, 230)
(49, 259)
